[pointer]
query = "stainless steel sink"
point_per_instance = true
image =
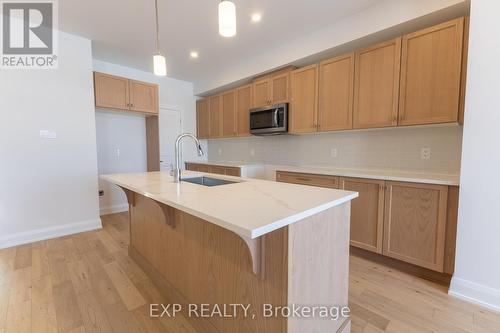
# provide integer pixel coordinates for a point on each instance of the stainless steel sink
(207, 181)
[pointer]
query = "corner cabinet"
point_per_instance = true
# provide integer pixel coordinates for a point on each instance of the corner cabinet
(119, 93)
(415, 223)
(376, 87)
(202, 119)
(431, 72)
(367, 212)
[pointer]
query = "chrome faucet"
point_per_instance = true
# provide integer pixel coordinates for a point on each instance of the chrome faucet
(177, 168)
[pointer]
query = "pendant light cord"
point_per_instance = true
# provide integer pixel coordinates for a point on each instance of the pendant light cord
(157, 29)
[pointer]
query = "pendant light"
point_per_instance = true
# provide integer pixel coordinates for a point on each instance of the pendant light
(227, 18)
(159, 61)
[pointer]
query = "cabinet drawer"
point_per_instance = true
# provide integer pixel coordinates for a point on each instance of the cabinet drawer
(217, 169)
(307, 179)
(233, 171)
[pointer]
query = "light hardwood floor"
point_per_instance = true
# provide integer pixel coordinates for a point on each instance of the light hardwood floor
(87, 283)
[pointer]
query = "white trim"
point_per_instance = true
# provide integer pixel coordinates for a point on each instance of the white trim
(48, 233)
(118, 208)
(475, 293)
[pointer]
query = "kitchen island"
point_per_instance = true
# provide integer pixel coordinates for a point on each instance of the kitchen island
(268, 246)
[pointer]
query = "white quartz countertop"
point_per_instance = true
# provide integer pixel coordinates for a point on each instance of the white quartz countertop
(250, 207)
(451, 179)
(394, 175)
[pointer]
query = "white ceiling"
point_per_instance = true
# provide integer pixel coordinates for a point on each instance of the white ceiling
(122, 31)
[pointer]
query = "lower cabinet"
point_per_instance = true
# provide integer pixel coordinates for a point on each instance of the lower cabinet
(415, 223)
(367, 212)
(411, 222)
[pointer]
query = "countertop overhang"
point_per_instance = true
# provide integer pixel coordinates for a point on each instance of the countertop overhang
(250, 208)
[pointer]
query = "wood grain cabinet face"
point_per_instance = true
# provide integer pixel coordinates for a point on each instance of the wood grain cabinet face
(415, 223)
(336, 93)
(229, 114)
(261, 93)
(367, 213)
(215, 110)
(143, 97)
(243, 105)
(308, 179)
(431, 74)
(279, 88)
(202, 119)
(304, 100)
(111, 91)
(376, 85)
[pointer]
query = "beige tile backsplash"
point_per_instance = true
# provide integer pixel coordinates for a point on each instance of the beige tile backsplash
(389, 148)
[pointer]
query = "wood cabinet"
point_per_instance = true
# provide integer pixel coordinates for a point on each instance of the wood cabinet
(202, 119)
(415, 223)
(114, 92)
(376, 85)
(243, 105)
(307, 179)
(303, 116)
(336, 93)
(215, 112)
(143, 96)
(212, 168)
(229, 114)
(431, 72)
(367, 212)
(272, 89)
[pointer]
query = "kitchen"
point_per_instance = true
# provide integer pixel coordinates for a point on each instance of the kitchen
(345, 166)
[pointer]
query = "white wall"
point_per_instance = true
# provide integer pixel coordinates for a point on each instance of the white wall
(48, 186)
(127, 131)
(477, 268)
(389, 148)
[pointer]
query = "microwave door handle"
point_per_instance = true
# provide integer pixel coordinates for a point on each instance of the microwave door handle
(276, 120)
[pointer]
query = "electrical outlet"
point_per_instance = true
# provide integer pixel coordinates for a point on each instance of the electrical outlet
(117, 152)
(220, 151)
(334, 153)
(252, 152)
(425, 153)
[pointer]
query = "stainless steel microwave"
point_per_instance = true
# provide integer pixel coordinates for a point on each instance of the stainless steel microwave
(269, 120)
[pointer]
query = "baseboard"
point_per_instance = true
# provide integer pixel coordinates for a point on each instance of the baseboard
(105, 210)
(48, 233)
(475, 293)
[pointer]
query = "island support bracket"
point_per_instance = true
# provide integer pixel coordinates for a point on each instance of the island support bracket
(130, 195)
(258, 254)
(168, 213)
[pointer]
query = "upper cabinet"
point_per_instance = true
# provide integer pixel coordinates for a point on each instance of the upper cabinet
(431, 70)
(272, 89)
(229, 115)
(215, 112)
(243, 105)
(202, 119)
(303, 114)
(114, 92)
(336, 92)
(376, 87)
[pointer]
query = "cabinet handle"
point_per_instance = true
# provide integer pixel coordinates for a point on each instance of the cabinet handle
(304, 179)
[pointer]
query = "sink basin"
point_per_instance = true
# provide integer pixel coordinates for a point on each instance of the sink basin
(207, 181)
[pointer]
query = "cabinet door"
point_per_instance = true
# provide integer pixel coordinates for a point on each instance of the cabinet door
(336, 93)
(261, 93)
(243, 105)
(280, 86)
(376, 85)
(111, 91)
(215, 110)
(229, 115)
(367, 213)
(202, 118)
(415, 223)
(143, 97)
(304, 102)
(431, 74)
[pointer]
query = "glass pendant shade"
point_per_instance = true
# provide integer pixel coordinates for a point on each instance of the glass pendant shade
(160, 65)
